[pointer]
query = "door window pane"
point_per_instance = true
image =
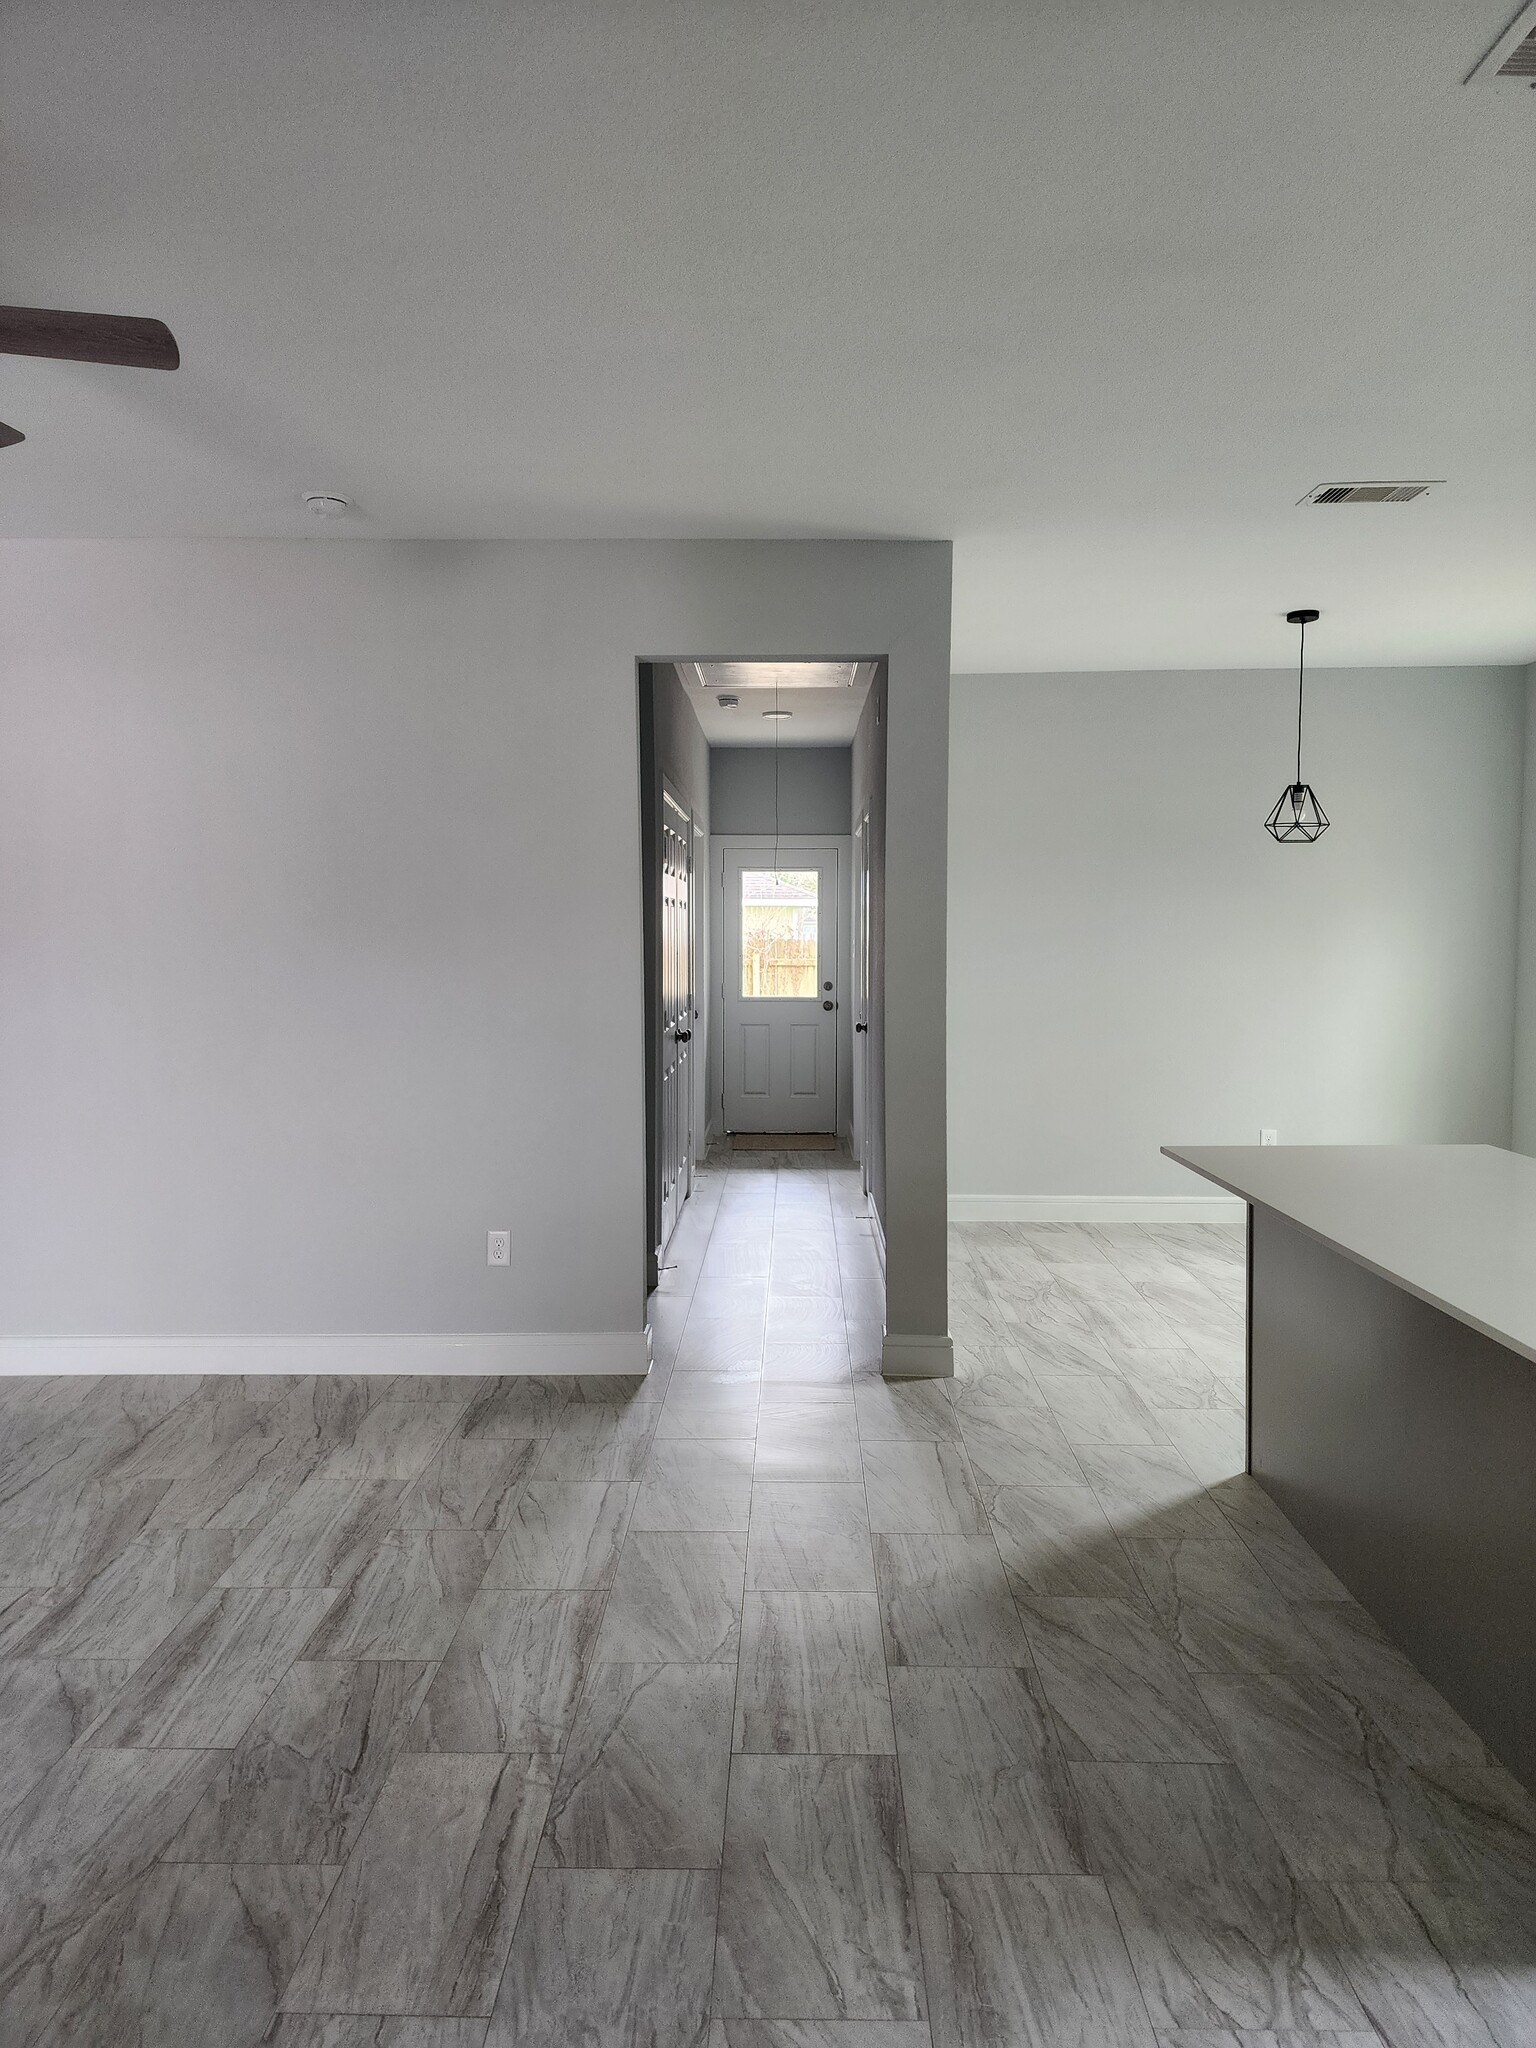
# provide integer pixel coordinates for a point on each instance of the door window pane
(779, 910)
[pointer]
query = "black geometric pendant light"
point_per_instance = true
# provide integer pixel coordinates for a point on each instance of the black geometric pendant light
(1298, 817)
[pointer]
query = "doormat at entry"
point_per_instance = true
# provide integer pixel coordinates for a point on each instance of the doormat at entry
(783, 1141)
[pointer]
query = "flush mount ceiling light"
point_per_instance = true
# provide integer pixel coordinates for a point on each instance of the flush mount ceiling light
(778, 714)
(321, 505)
(776, 675)
(1298, 817)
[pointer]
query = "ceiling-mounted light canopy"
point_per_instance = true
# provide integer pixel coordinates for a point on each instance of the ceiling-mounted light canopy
(1298, 817)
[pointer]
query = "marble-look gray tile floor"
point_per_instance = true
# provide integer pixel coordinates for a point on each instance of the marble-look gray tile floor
(757, 1704)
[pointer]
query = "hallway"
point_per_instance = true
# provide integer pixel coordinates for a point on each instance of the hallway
(578, 1712)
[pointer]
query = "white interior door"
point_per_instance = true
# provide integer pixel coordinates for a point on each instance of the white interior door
(780, 974)
(677, 1011)
(861, 992)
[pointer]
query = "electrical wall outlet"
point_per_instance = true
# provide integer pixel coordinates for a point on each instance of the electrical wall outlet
(1269, 1137)
(498, 1247)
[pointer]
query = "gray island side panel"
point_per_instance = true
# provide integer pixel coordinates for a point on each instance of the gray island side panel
(1402, 1444)
(1392, 1406)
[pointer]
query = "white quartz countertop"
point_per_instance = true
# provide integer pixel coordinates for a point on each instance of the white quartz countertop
(1453, 1224)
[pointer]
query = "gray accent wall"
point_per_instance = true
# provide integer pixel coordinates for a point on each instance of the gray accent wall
(320, 938)
(1134, 962)
(814, 789)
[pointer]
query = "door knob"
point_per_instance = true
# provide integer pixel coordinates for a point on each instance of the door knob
(682, 1037)
(861, 1027)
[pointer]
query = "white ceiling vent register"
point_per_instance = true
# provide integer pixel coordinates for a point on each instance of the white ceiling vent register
(1511, 63)
(1368, 494)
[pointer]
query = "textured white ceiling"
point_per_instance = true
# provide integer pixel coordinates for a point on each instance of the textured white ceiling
(1097, 288)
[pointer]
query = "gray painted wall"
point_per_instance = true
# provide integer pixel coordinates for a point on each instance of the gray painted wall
(1133, 961)
(320, 919)
(815, 791)
(1525, 1006)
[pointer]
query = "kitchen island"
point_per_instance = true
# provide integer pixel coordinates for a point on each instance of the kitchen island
(1392, 1395)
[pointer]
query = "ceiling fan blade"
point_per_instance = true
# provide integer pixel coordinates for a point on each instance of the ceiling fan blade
(9, 436)
(120, 338)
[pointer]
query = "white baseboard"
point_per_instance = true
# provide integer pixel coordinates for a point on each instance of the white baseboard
(513, 1353)
(917, 1358)
(877, 1233)
(1093, 1208)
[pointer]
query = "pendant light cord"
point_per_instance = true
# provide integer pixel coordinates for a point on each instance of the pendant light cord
(775, 779)
(1301, 684)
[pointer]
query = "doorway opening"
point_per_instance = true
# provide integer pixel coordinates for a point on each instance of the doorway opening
(762, 795)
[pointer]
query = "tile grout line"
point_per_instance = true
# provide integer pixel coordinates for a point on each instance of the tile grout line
(405, 1749)
(885, 1651)
(1050, 1710)
(558, 1764)
(1056, 1733)
(741, 1634)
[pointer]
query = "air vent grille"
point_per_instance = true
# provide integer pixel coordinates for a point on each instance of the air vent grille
(1367, 494)
(1512, 60)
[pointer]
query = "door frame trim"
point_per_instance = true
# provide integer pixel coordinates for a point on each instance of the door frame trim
(720, 843)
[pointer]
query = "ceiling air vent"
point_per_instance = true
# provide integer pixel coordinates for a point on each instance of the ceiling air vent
(1367, 494)
(1511, 62)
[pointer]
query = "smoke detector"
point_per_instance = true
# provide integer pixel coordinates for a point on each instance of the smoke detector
(727, 700)
(1368, 494)
(321, 505)
(1511, 63)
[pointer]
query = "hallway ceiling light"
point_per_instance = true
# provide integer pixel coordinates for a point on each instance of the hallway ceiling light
(1298, 816)
(777, 675)
(778, 714)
